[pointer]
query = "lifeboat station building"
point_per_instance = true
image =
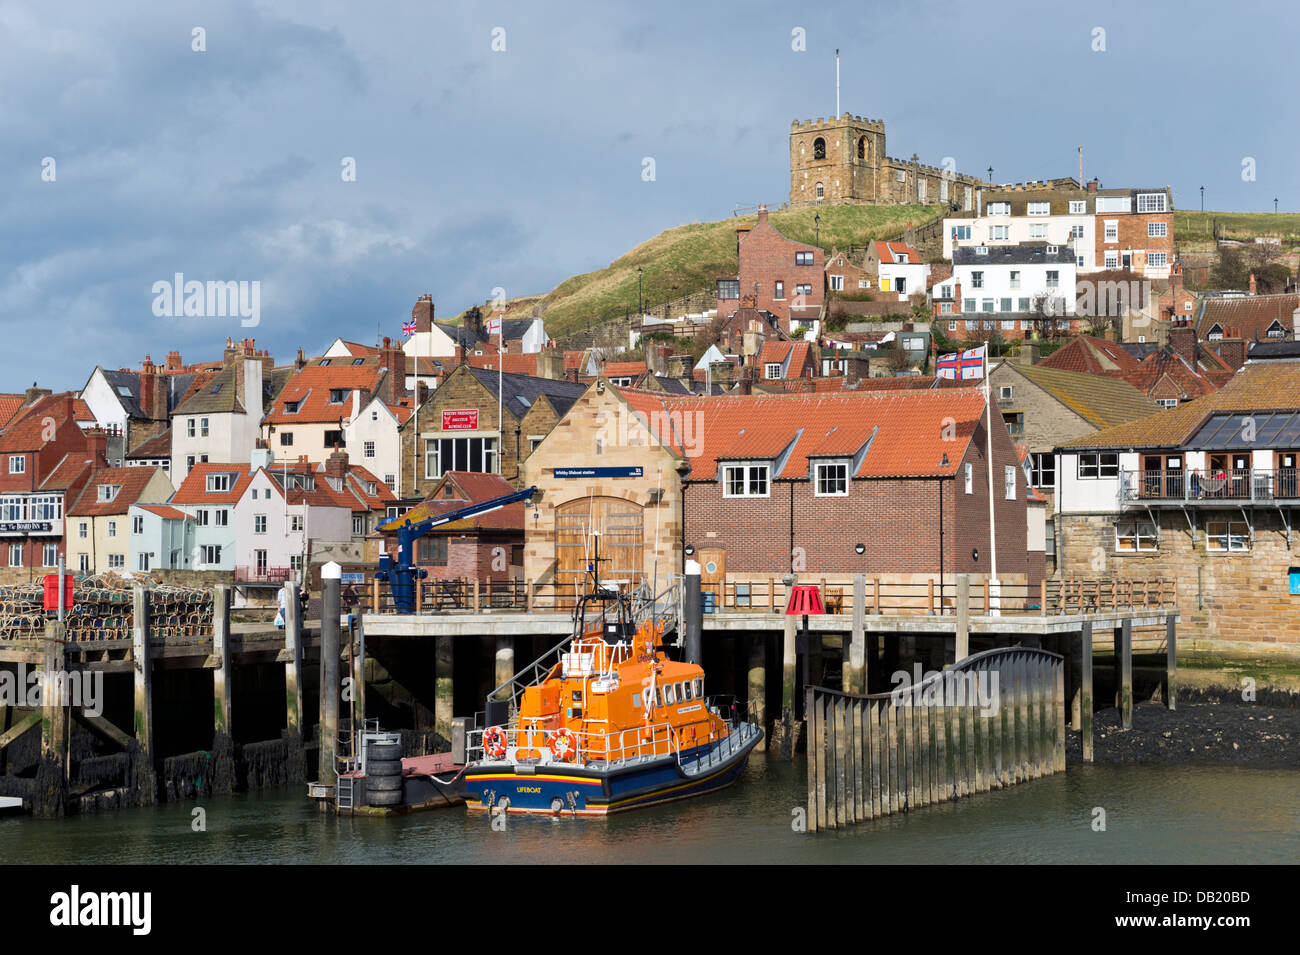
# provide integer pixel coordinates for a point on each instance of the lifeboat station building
(890, 484)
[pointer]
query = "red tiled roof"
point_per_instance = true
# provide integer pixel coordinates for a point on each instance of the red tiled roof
(886, 250)
(9, 405)
(162, 510)
(132, 482)
(357, 350)
(624, 369)
(67, 471)
(1251, 314)
(799, 353)
(311, 387)
(460, 488)
(908, 430)
(510, 364)
(25, 431)
(194, 489)
(358, 477)
(1090, 355)
(159, 446)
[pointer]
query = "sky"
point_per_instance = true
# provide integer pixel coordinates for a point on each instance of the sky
(348, 157)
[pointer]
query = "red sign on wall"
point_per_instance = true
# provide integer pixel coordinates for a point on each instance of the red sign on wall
(465, 420)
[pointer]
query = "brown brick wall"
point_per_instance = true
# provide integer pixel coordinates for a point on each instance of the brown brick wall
(766, 257)
(1133, 235)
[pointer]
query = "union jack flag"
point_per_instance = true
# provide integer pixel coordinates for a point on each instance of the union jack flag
(961, 365)
(408, 328)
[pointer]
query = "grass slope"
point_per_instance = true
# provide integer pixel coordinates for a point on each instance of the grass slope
(689, 258)
(1191, 227)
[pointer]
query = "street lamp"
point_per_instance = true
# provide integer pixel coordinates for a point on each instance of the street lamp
(817, 229)
(990, 174)
(1202, 198)
(640, 306)
(1275, 207)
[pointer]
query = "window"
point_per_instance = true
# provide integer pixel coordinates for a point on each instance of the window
(778, 290)
(1113, 204)
(1112, 260)
(259, 523)
(900, 176)
(970, 478)
(83, 563)
(1156, 259)
(1039, 208)
(218, 482)
(999, 209)
(945, 308)
(45, 507)
(1042, 470)
(900, 285)
(832, 480)
(17, 464)
(1053, 278)
(112, 528)
(291, 407)
(337, 395)
(728, 288)
(106, 492)
(1015, 278)
(968, 305)
(1005, 392)
(137, 524)
(1022, 304)
(772, 370)
(999, 233)
(987, 306)
(324, 362)
(1098, 466)
(862, 147)
(142, 562)
(286, 439)
(803, 288)
(1227, 537)
(295, 523)
(433, 550)
(1005, 307)
(368, 449)
(943, 190)
(744, 480)
(50, 555)
(1112, 230)
(1167, 402)
(1078, 207)
(819, 148)
(210, 554)
(981, 250)
(1038, 230)
(359, 524)
(1152, 202)
(12, 508)
(189, 462)
(203, 427)
(952, 325)
(333, 438)
(977, 280)
(116, 561)
(459, 454)
(1136, 536)
(83, 528)
(1076, 232)
(221, 517)
(190, 429)
(821, 191)
(201, 517)
(390, 480)
(1015, 422)
(1009, 481)
(837, 283)
(961, 233)
(15, 555)
(1157, 230)
(803, 258)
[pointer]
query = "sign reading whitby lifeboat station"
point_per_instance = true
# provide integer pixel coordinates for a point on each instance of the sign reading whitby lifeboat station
(633, 472)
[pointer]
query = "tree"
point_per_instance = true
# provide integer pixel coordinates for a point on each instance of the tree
(1231, 272)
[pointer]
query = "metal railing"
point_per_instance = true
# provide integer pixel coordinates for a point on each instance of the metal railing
(1211, 484)
(264, 575)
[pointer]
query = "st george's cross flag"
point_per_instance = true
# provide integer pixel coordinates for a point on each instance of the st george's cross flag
(961, 365)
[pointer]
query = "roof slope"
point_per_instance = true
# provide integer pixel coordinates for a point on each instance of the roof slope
(520, 392)
(131, 481)
(310, 387)
(1251, 314)
(1100, 400)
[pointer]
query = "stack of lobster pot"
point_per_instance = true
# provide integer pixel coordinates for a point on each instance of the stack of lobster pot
(384, 774)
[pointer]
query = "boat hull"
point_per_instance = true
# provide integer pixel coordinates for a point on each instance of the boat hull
(561, 789)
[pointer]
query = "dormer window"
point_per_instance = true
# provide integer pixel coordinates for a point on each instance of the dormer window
(1275, 331)
(981, 250)
(999, 208)
(107, 492)
(324, 362)
(337, 395)
(357, 361)
(1216, 333)
(218, 482)
(831, 479)
(745, 480)
(291, 407)
(372, 488)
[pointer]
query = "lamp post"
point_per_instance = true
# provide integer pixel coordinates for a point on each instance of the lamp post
(640, 306)
(1275, 206)
(1202, 198)
(817, 229)
(990, 175)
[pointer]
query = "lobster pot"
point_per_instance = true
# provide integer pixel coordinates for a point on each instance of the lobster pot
(384, 774)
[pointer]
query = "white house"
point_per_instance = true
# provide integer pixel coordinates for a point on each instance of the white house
(221, 421)
(278, 513)
(373, 440)
(899, 270)
(1000, 227)
(1011, 279)
(160, 537)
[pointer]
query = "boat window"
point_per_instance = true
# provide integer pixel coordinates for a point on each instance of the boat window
(686, 691)
(668, 695)
(636, 700)
(680, 695)
(699, 687)
(577, 696)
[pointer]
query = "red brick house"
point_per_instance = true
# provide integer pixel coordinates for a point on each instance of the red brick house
(486, 547)
(784, 277)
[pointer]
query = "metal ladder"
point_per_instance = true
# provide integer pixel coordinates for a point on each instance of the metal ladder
(347, 762)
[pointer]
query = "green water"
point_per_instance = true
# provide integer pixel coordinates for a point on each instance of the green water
(1153, 815)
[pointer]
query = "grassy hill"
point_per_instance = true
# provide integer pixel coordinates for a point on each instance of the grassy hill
(1193, 228)
(689, 258)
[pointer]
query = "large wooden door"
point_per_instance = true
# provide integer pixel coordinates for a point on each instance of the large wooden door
(620, 526)
(713, 575)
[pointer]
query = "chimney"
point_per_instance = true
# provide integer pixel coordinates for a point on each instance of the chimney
(1028, 352)
(1232, 349)
(300, 361)
(1182, 340)
(423, 313)
(393, 358)
(97, 447)
(336, 465)
(35, 394)
(153, 391)
(1092, 187)
(1252, 283)
(174, 362)
(745, 386)
(762, 213)
(956, 296)
(550, 364)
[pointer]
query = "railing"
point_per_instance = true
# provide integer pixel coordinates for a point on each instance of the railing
(465, 594)
(993, 720)
(264, 575)
(1211, 484)
(1091, 595)
(530, 742)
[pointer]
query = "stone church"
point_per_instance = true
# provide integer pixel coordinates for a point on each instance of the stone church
(842, 161)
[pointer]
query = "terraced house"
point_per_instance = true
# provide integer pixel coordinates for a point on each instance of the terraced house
(1206, 493)
(311, 414)
(100, 524)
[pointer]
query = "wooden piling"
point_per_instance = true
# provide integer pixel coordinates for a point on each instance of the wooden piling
(504, 664)
(1085, 692)
(841, 760)
(789, 670)
(221, 651)
(856, 669)
(55, 697)
(142, 671)
(1058, 708)
(879, 805)
(757, 683)
(293, 658)
(444, 689)
(963, 748)
(1171, 662)
(961, 643)
(1124, 652)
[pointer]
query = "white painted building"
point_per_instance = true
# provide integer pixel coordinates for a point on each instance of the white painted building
(1011, 279)
(373, 441)
(999, 227)
(221, 422)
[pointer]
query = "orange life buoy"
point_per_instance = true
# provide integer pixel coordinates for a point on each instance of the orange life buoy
(563, 745)
(494, 742)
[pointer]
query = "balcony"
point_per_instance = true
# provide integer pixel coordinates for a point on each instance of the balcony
(1210, 487)
(264, 575)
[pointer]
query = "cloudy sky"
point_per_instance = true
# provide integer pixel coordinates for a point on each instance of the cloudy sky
(479, 167)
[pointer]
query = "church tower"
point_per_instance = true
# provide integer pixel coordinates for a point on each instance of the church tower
(836, 161)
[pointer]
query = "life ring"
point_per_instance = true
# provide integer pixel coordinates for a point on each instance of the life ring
(563, 745)
(494, 742)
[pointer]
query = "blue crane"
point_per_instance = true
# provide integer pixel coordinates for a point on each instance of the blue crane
(401, 574)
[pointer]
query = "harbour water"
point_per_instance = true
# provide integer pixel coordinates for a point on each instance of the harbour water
(1153, 814)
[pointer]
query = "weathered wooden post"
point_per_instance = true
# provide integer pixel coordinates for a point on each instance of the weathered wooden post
(1085, 694)
(693, 611)
(1058, 708)
(443, 687)
(146, 793)
(293, 659)
(757, 680)
(221, 651)
(52, 772)
(961, 646)
(1125, 653)
(505, 664)
(358, 677)
(1171, 662)
(327, 764)
(857, 657)
(789, 662)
